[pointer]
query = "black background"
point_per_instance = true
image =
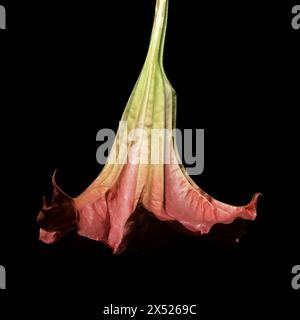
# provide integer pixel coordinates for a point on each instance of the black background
(67, 70)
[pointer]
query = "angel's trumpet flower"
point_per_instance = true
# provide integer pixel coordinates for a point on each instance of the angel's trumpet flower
(103, 210)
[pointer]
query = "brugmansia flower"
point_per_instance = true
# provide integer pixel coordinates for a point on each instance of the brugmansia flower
(103, 211)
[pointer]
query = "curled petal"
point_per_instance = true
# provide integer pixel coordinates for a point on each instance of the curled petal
(58, 218)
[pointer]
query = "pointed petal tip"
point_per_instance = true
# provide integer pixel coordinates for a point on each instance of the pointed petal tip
(251, 208)
(57, 191)
(255, 199)
(257, 195)
(54, 178)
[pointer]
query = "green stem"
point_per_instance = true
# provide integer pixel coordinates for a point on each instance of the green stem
(156, 48)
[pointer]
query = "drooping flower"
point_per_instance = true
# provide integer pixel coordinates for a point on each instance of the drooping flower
(102, 212)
